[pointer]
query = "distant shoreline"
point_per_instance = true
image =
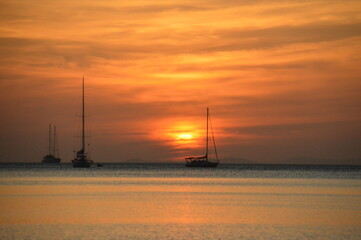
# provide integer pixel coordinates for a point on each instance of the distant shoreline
(252, 165)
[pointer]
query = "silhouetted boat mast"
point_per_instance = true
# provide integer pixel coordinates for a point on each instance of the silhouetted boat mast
(49, 152)
(83, 118)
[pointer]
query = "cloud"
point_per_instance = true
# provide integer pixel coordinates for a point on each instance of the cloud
(161, 8)
(266, 70)
(294, 129)
(245, 39)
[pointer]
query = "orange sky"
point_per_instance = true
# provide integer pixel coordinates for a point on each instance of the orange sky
(282, 79)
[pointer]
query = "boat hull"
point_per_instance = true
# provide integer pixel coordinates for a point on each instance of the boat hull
(81, 163)
(204, 164)
(50, 159)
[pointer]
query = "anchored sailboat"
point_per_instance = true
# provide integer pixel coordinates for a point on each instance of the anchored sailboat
(203, 161)
(51, 156)
(81, 159)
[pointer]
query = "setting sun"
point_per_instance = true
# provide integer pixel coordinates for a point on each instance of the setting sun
(282, 79)
(208, 119)
(185, 136)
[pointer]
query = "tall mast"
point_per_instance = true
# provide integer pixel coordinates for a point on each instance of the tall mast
(49, 139)
(214, 141)
(83, 121)
(207, 137)
(54, 142)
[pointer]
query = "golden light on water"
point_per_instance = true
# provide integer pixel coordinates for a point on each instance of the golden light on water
(180, 200)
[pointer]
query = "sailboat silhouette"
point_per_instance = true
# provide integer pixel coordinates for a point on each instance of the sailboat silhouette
(81, 159)
(203, 161)
(51, 156)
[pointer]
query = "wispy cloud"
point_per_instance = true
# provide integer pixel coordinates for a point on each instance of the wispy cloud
(265, 68)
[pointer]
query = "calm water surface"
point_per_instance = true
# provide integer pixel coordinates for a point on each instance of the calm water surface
(169, 201)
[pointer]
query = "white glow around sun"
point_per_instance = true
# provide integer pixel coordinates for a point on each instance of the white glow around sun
(185, 136)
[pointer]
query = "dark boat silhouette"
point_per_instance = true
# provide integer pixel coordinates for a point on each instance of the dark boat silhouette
(203, 161)
(51, 156)
(81, 159)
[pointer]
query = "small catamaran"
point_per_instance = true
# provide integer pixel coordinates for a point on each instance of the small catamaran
(51, 156)
(81, 159)
(203, 161)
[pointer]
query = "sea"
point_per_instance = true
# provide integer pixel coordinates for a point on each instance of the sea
(164, 201)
